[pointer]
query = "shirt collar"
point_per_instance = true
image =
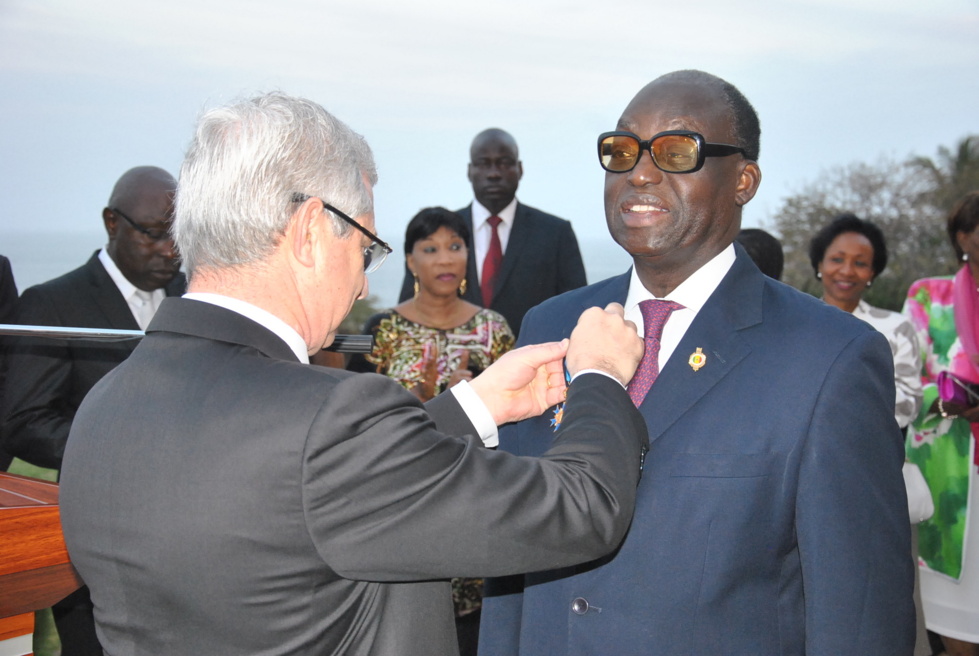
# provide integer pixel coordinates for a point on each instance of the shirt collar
(262, 317)
(126, 288)
(480, 213)
(693, 292)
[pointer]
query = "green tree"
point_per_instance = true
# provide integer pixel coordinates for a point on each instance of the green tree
(952, 174)
(890, 194)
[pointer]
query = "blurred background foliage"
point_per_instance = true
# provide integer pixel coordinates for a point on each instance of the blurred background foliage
(909, 200)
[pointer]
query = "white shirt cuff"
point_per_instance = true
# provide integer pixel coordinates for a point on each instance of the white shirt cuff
(477, 412)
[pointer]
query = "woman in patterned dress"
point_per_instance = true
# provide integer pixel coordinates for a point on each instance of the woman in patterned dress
(436, 339)
(945, 313)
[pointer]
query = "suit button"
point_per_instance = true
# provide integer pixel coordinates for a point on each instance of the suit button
(579, 606)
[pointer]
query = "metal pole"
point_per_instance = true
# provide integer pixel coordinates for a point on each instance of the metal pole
(341, 343)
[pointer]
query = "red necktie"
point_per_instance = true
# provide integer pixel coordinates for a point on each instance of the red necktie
(654, 316)
(492, 263)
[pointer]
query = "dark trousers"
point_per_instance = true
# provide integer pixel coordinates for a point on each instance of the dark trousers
(76, 625)
(467, 630)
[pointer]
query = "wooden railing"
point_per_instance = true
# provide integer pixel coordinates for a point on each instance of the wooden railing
(34, 568)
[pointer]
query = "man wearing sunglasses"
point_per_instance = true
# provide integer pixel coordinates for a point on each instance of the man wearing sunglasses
(771, 517)
(271, 507)
(119, 287)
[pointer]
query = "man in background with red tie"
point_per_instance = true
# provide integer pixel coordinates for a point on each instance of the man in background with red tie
(519, 256)
(771, 517)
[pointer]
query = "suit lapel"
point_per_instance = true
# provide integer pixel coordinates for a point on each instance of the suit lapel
(612, 290)
(472, 294)
(518, 246)
(734, 306)
(107, 298)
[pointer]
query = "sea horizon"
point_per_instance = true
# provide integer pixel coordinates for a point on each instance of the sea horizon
(38, 255)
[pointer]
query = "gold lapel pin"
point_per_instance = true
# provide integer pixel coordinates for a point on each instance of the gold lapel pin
(697, 360)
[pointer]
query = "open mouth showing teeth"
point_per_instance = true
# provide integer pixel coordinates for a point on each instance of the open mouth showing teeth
(639, 209)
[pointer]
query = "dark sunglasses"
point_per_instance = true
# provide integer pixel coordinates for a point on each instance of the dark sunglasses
(375, 254)
(673, 151)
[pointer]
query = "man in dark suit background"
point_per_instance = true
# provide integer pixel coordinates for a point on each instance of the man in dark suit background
(771, 517)
(539, 256)
(219, 495)
(8, 304)
(119, 287)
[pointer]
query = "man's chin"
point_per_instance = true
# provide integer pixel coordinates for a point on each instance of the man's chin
(161, 278)
(494, 199)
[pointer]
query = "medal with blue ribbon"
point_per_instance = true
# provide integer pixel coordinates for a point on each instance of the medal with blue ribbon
(559, 408)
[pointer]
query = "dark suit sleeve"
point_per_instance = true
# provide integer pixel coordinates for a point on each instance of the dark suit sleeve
(8, 305)
(851, 512)
(572, 272)
(8, 291)
(414, 503)
(36, 413)
(448, 415)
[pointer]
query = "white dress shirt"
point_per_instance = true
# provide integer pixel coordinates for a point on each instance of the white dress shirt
(470, 402)
(483, 231)
(692, 293)
(142, 304)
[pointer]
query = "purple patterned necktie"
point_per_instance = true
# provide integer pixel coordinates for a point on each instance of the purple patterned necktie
(654, 316)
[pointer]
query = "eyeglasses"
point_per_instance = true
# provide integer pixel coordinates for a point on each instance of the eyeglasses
(375, 254)
(673, 151)
(152, 235)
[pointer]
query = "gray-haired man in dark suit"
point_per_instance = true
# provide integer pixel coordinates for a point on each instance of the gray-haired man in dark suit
(221, 496)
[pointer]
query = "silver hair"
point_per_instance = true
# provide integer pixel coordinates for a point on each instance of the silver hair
(235, 195)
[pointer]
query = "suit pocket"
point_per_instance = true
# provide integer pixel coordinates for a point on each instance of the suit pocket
(722, 465)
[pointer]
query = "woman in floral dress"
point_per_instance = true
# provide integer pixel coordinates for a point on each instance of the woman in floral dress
(945, 312)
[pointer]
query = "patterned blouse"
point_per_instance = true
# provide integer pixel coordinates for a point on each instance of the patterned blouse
(940, 446)
(401, 350)
(901, 336)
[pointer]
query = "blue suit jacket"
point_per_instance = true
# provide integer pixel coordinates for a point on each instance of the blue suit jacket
(771, 516)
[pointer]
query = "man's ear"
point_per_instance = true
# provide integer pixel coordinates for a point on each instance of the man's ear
(111, 222)
(748, 181)
(305, 231)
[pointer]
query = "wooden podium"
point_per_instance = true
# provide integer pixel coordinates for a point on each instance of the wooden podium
(34, 568)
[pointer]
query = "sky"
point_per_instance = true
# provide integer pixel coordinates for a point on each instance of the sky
(91, 89)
